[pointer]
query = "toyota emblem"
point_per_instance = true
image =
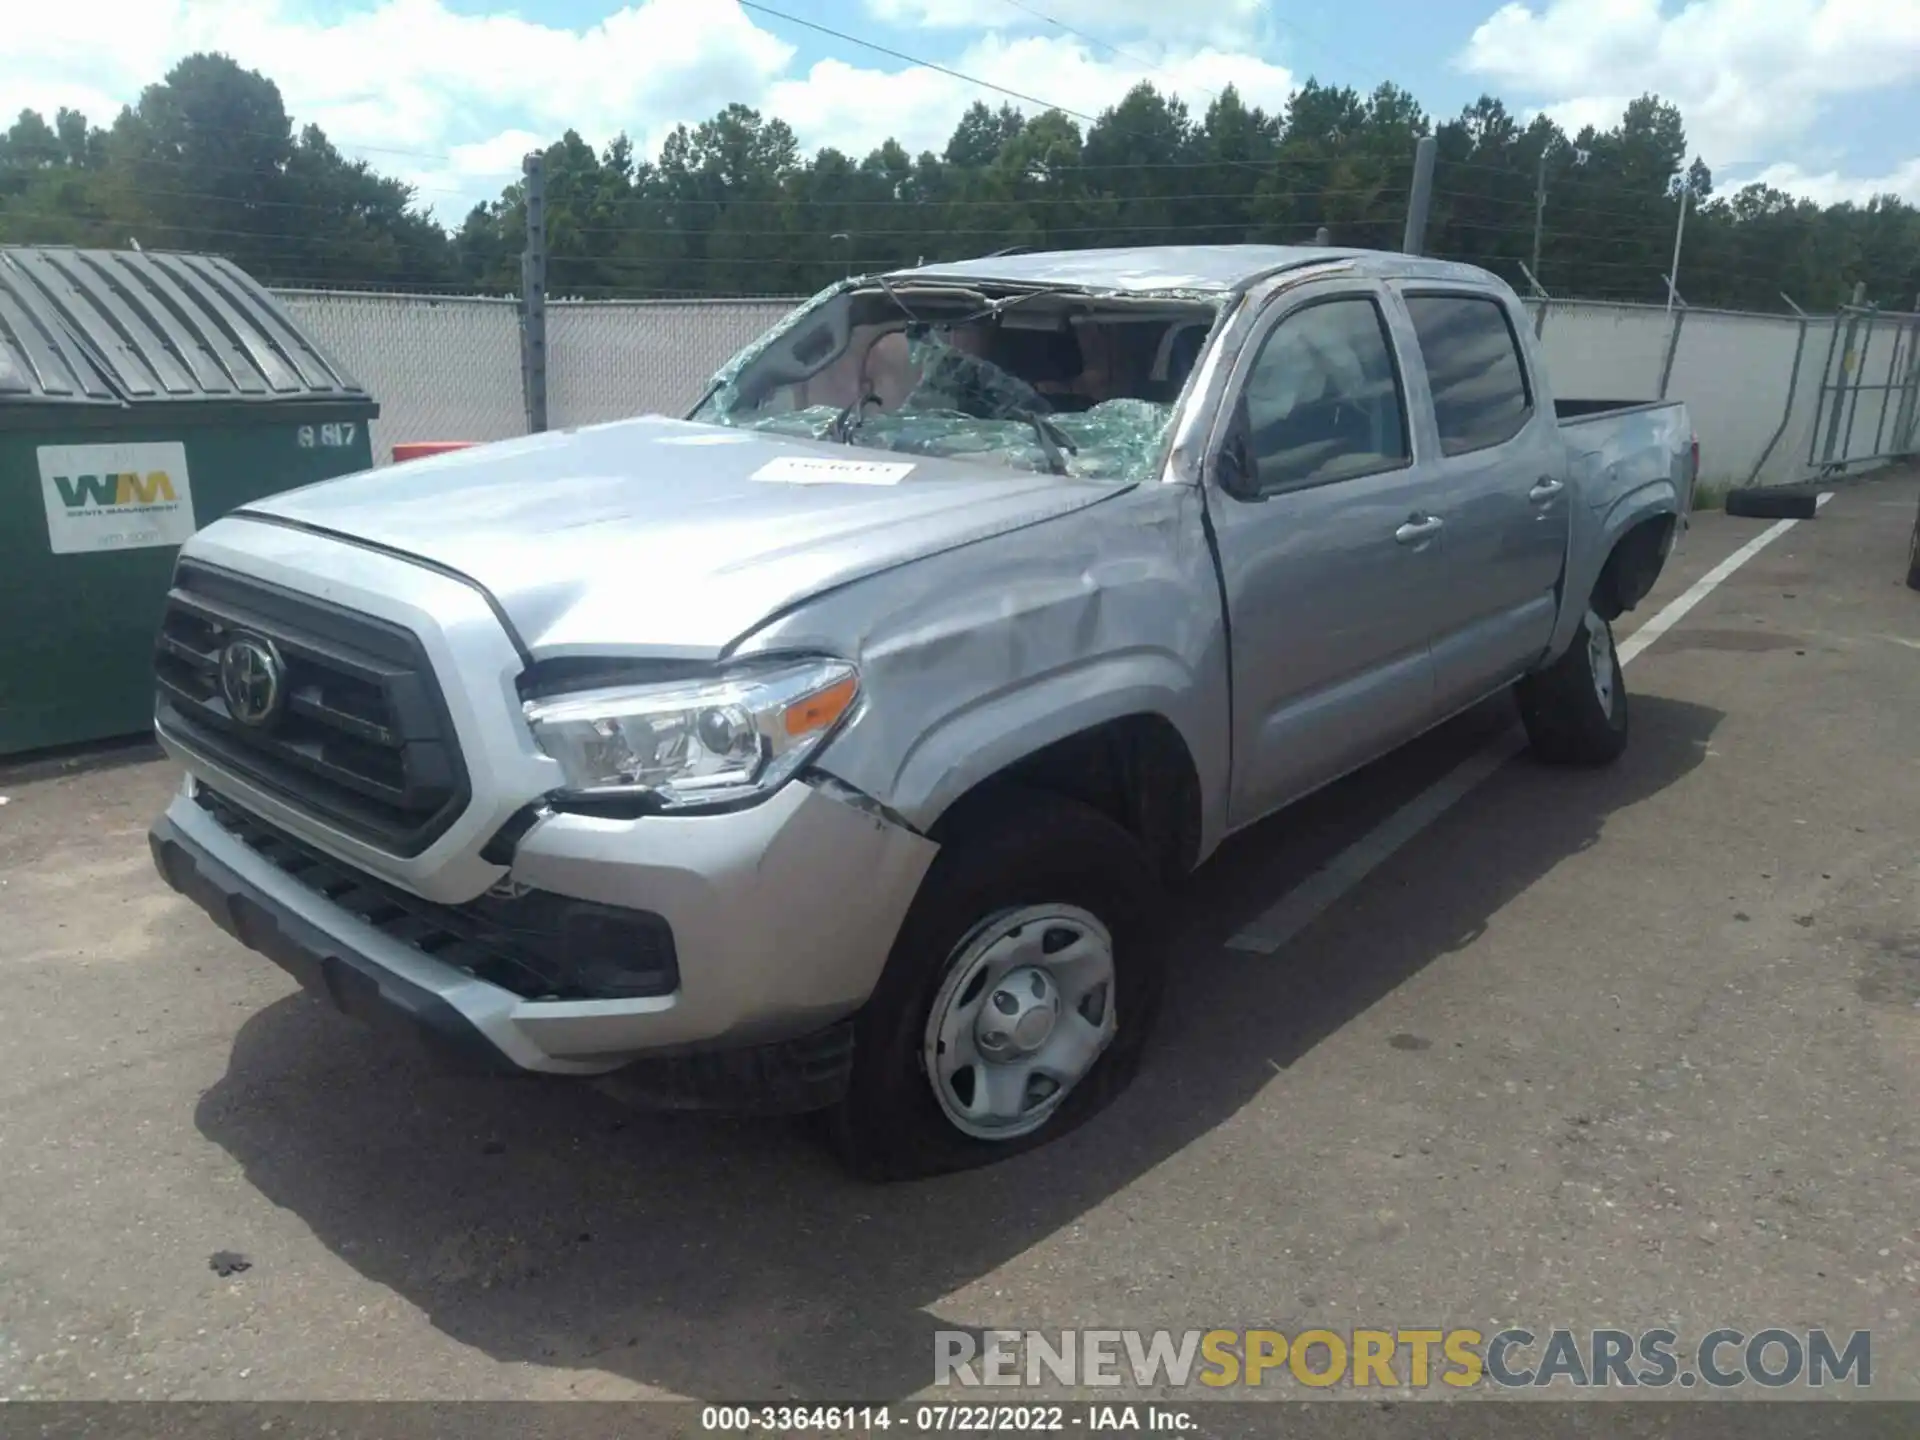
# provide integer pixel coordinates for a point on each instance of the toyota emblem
(252, 679)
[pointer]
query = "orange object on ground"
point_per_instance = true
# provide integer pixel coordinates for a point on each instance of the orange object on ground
(420, 449)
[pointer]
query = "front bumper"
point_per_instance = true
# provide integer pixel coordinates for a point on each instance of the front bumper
(782, 916)
(779, 916)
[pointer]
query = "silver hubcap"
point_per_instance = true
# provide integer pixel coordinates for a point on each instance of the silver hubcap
(1025, 1011)
(1600, 660)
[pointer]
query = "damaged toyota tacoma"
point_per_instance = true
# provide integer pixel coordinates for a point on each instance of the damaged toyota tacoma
(831, 749)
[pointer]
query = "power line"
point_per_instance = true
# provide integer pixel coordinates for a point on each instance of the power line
(368, 231)
(1297, 29)
(1524, 221)
(901, 55)
(1106, 45)
(942, 228)
(272, 243)
(267, 173)
(946, 70)
(1275, 166)
(276, 244)
(387, 238)
(292, 136)
(1563, 178)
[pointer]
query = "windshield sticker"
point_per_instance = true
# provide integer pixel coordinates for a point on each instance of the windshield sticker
(806, 470)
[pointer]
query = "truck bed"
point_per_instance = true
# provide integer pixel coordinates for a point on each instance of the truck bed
(1579, 412)
(1618, 447)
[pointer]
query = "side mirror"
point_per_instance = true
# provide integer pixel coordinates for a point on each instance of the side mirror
(1233, 467)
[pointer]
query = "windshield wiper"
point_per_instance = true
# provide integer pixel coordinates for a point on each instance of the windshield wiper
(1053, 440)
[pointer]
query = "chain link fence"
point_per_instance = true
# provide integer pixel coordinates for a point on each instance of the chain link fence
(442, 369)
(610, 359)
(1869, 389)
(449, 369)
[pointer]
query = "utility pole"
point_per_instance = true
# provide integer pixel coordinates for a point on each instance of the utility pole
(1540, 300)
(1680, 229)
(1673, 343)
(533, 296)
(1539, 212)
(1420, 201)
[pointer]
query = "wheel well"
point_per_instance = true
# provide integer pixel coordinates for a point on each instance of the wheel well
(1633, 566)
(1136, 771)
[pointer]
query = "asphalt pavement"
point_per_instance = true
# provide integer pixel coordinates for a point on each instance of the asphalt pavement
(1621, 1048)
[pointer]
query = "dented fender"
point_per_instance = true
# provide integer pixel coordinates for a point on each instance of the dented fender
(1595, 536)
(975, 659)
(1627, 467)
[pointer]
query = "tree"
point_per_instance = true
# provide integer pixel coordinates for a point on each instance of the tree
(200, 160)
(208, 159)
(981, 135)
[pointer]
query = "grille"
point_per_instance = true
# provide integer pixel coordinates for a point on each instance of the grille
(362, 740)
(536, 945)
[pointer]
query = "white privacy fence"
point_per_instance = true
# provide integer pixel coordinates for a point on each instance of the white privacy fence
(608, 359)
(449, 369)
(1733, 370)
(441, 369)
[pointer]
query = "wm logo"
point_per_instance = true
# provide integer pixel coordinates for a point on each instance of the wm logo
(127, 488)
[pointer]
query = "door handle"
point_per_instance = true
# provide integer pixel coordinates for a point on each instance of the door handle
(1545, 488)
(1418, 528)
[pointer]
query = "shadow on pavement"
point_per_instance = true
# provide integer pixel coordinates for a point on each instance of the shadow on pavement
(543, 1224)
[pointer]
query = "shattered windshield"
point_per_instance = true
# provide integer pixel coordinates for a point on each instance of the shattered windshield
(1057, 382)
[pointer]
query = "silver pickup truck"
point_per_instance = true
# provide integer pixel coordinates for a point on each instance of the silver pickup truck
(832, 749)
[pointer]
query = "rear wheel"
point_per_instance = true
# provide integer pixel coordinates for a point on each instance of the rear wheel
(1575, 710)
(1018, 996)
(1913, 555)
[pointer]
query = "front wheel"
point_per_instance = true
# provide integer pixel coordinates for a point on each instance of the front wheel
(1913, 555)
(1017, 998)
(1575, 710)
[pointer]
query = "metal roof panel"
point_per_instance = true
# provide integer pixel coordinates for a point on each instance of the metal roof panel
(143, 328)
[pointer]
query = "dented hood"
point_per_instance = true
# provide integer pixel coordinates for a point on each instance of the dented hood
(663, 537)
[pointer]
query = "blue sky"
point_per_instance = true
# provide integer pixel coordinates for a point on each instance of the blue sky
(1819, 96)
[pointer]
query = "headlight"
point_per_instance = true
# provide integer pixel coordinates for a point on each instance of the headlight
(686, 743)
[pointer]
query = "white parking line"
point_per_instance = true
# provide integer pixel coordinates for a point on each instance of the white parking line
(1310, 899)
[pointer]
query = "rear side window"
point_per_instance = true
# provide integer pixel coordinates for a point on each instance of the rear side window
(1480, 395)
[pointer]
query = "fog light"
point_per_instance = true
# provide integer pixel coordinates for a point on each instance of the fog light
(618, 954)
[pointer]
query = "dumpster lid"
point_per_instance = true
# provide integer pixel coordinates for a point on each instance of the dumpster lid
(145, 327)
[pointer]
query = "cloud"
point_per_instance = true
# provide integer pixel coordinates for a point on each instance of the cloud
(421, 90)
(1751, 76)
(1195, 22)
(855, 109)
(450, 101)
(1830, 187)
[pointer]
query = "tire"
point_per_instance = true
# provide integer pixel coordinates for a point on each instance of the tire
(1017, 862)
(1774, 502)
(1573, 718)
(1913, 556)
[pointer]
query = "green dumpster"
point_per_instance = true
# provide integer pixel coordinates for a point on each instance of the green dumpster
(142, 395)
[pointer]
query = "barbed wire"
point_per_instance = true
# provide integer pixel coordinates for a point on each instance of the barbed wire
(389, 241)
(790, 201)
